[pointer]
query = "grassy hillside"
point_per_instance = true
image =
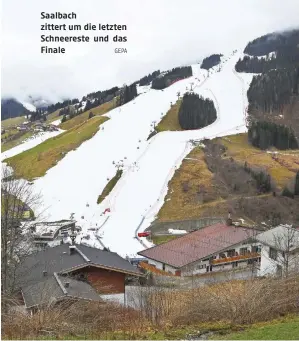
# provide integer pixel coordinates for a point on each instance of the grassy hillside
(36, 161)
(184, 184)
(10, 122)
(53, 116)
(110, 185)
(281, 169)
(210, 184)
(97, 111)
(17, 136)
(170, 121)
(16, 141)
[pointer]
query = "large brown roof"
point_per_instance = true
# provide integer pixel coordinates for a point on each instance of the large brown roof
(197, 245)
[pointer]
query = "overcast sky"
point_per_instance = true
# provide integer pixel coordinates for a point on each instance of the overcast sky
(161, 34)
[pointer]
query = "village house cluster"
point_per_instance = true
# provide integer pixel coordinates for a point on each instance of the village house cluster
(62, 270)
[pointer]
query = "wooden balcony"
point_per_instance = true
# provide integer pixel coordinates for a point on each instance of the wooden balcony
(154, 270)
(250, 255)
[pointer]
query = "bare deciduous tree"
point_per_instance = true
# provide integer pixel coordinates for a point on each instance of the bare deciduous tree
(286, 245)
(18, 202)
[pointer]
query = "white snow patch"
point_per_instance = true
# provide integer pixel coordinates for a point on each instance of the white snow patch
(172, 231)
(266, 56)
(29, 106)
(57, 122)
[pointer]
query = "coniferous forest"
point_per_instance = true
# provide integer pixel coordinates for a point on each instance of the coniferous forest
(273, 90)
(127, 93)
(285, 53)
(267, 134)
(104, 96)
(211, 61)
(147, 79)
(273, 95)
(196, 112)
(165, 80)
(53, 107)
(272, 42)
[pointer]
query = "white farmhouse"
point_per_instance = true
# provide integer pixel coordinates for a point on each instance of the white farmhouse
(279, 251)
(213, 248)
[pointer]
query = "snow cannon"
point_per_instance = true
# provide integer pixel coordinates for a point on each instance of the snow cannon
(143, 234)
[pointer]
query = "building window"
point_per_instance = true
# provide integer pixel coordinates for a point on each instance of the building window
(273, 254)
(231, 253)
(163, 267)
(235, 264)
(199, 267)
(256, 249)
(243, 251)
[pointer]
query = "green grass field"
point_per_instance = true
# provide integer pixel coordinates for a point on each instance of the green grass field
(35, 162)
(276, 330)
(53, 116)
(10, 122)
(162, 239)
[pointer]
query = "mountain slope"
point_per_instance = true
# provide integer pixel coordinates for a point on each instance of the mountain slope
(11, 108)
(148, 166)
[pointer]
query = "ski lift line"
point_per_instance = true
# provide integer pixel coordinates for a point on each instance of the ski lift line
(115, 192)
(101, 243)
(245, 99)
(105, 221)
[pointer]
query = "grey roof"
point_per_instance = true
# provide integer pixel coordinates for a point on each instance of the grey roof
(58, 259)
(282, 237)
(52, 289)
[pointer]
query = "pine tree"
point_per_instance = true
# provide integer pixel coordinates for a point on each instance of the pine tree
(196, 112)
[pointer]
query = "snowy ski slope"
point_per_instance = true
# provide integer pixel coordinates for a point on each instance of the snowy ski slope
(74, 184)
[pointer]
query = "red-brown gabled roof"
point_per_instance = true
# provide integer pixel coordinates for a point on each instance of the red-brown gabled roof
(197, 245)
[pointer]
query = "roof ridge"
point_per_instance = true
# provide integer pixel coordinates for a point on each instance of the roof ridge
(82, 254)
(62, 287)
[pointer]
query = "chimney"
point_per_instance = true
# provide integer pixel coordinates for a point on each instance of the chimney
(45, 273)
(66, 284)
(72, 249)
(229, 220)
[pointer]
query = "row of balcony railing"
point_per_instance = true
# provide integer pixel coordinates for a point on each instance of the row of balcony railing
(249, 255)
